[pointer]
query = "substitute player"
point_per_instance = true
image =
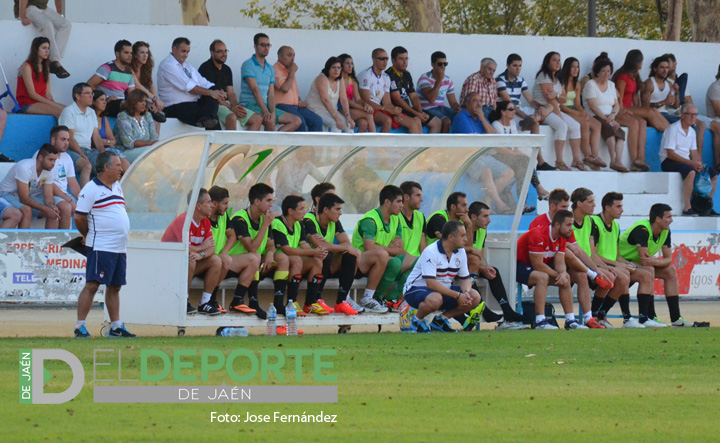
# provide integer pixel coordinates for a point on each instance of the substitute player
(430, 285)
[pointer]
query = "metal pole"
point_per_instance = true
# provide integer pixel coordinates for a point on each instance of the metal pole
(592, 19)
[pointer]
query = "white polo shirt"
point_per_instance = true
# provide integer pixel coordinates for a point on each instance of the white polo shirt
(108, 223)
(676, 139)
(434, 264)
(175, 80)
(82, 123)
(378, 85)
(25, 171)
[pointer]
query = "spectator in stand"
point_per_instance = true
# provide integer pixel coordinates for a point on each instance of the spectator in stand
(142, 66)
(105, 129)
(33, 83)
(29, 186)
(10, 217)
(601, 103)
(679, 83)
(589, 144)
(115, 78)
(287, 95)
(511, 87)
(516, 160)
(402, 91)
(712, 102)
(230, 112)
(3, 121)
(375, 91)
(547, 92)
(471, 119)
(658, 91)
(327, 98)
(186, 93)
(434, 87)
(258, 92)
(51, 25)
(678, 153)
(134, 128)
(82, 121)
(628, 83)
(64, 170)
(483, 82)
(360, 112)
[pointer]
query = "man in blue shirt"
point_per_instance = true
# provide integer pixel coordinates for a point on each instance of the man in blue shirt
(256, 93)
(471, 119)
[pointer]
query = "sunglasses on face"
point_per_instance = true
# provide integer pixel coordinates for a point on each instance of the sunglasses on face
(510, 109)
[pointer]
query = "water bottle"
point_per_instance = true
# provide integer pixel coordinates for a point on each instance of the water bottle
(234, 332)
(271, 320)
(291, 316)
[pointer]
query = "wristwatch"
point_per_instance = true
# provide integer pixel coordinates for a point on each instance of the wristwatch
(202, 254)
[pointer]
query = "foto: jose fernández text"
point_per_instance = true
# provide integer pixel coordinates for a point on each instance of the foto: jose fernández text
(276, 417)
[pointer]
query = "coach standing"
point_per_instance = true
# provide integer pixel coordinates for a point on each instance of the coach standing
(101, 219)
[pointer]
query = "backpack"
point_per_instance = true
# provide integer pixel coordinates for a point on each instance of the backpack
(529, 313)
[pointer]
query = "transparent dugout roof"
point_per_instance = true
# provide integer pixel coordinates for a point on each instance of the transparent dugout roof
(494, 169)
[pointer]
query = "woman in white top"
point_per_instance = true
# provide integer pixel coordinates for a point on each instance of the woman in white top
(325, 92)
(601, 102)
(518, 162)
(547, 91)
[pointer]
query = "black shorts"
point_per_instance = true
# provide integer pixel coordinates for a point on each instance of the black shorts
(522, 274)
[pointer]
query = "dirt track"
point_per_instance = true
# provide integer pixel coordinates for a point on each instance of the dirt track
(59, 322)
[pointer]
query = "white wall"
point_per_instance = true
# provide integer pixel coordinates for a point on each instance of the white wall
(92, 44)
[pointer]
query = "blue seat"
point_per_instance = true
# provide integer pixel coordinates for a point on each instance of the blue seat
(24, 134)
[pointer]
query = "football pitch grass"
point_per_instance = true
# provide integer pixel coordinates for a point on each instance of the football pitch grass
(618, 385)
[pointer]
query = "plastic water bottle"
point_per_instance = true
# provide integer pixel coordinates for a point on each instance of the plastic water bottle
(271, 321)
(234, 332)
(291, 316)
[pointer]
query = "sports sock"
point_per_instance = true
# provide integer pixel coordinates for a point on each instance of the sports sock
(570, 316)
(369, 293)
(116, 324)
(624, 306)
(461, 318)
(293, 287)
(280, 281)
(497, 289)
(673, 303)
(490, 317)
(592, 274)
(389, 277)
(80, 323)
(213, 297)
(539, 318)
(651, 308)
(643, 306)
(608, 303)
(345, 279)
(311, 296)
(596, 303)
(587, 316)
(239, 297)
(253, 289)
(255, 304)
(205, 298)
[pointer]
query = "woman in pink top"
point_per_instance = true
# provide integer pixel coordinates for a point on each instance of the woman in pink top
(360, 112)
(33, 83)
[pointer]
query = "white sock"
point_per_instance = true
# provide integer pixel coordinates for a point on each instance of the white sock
(592, 274)
(587, 316)
(116, 324)
(369, 293)
(570, 316)
(205, 298)
(539, 318)
(80, 323)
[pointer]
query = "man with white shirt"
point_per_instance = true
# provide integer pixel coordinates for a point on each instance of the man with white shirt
(679, 153)
(29, 187)
(64, 170)
(186, 93)
(82, 122)
(103, 222)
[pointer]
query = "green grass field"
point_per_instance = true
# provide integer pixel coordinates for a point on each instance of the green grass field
(640, 385)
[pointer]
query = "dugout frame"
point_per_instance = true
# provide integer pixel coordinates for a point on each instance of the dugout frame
(173, 171)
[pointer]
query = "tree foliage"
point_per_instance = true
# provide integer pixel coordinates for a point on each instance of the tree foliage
(615, 18)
